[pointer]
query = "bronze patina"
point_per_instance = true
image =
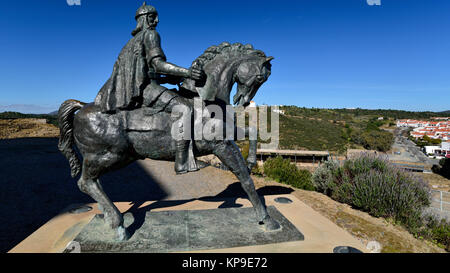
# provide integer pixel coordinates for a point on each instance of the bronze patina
(131, 117)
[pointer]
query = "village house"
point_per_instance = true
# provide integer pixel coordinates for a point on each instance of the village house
(437, 129)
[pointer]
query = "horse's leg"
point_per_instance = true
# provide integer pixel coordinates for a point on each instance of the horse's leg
(251, 158)
(90, 184)
(229, 154)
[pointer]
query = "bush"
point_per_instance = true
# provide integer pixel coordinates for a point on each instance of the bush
(390, 194)
(437, 231)
(443, 168)
(245, 150)
(323, 177)
(283, 171)
(257, 170)
(372, 184)
(378, 140)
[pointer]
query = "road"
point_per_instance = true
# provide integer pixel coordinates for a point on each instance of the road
(409, 151)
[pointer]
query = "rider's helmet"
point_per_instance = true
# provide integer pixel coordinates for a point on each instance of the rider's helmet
(144, 9)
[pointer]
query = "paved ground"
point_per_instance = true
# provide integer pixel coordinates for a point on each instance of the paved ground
(36, 186)
(320, 234)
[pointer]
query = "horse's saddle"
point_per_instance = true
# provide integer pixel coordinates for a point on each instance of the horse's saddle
(145, 119)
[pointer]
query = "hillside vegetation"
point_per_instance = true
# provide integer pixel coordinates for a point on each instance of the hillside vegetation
(337, 130)
(51, 119)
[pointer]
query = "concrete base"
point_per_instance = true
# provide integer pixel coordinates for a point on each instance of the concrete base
(320, 234)
(187, 230)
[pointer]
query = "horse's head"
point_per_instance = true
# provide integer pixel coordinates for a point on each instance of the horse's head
(250, 75)
(227, 64)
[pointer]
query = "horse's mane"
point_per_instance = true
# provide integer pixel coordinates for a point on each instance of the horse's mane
(213, 67)
(227, 49)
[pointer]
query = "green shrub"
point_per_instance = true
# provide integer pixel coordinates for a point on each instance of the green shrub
(443, 168)
(257, 170)
(390, 194)
(323, 177)
(374, 185)
(373, 139)
(245, 150)
(437, 231)
(283, 171)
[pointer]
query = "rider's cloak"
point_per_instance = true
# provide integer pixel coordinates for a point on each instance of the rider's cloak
(132, 72)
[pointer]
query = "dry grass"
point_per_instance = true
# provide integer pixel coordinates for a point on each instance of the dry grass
(436, 181)
(28, 127)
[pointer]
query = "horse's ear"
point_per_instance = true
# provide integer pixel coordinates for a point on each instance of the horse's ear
(267, 61)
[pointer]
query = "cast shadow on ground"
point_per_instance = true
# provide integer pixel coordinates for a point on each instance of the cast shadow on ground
(228, 196)
(36, 186)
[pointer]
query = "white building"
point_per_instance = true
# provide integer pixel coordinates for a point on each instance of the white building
(431, 150)
(439, 151)
(278, 111)
(446, 146)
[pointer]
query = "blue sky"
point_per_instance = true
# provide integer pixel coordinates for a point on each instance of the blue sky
(328, 53)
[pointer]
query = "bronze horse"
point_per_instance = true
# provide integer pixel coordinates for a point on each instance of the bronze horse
(108, 142)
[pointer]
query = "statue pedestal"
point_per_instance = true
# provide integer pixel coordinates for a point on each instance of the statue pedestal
(206, 225)
(187, 230)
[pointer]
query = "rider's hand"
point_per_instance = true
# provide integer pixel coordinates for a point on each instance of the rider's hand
(196, 74)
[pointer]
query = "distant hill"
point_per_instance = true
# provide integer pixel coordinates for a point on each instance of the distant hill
(444, 112)
(336, 113)
(340, 129)
(54, 113)
(52, 119)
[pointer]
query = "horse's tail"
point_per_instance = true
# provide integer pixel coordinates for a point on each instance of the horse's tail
(66, 114)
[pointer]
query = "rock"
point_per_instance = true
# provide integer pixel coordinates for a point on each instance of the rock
(374, 247)
(210, 159)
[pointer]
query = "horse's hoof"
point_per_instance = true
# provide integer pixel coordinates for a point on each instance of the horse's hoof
(181, 172)
(122, 234)
(270, 224)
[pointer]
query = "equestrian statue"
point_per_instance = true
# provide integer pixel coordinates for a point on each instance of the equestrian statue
(133, 115)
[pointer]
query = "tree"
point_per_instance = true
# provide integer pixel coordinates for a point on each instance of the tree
(445, 167)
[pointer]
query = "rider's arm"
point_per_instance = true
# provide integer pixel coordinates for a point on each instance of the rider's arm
(157, 59)
(163, 67)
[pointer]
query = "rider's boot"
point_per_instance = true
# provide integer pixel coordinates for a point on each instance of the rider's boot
(182, 157)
